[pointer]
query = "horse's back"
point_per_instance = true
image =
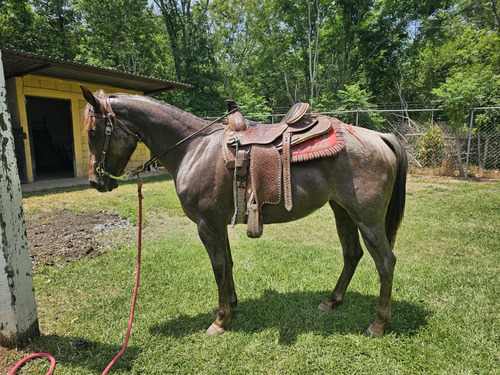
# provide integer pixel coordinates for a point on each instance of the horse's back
(360, 178)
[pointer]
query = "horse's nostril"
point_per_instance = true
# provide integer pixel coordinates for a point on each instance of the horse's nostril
(98, 185)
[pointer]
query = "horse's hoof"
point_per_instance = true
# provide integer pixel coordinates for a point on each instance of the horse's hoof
(324, 306)
(373, 332)
(215, 330)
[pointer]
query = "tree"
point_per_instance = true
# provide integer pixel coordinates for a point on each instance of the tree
(128, 41)
(16, 25)
(451, 40)
(193, 51)
(457, 95)
(354, 98)
(49, 27)
(484, 13)
(57, 28)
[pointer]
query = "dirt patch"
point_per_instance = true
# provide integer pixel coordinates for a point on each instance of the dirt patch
(62, 236)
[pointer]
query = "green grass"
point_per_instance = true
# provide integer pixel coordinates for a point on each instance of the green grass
(446, 299)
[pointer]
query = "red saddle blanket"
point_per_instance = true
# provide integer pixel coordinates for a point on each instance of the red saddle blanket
(329, 144)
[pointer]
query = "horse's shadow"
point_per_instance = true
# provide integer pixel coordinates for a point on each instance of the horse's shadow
(294, 313)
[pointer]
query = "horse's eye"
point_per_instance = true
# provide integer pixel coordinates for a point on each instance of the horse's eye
(92, 133)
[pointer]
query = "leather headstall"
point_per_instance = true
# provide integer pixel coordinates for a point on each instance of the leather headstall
(110, 121)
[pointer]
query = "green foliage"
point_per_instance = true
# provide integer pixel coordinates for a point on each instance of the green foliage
(449, 48)
(355, 98)
(192, 48)
(282, 50)
(457, 95)
(125, 41)
(431, 147)
(16, 25)
(255, 107)
(57, 25)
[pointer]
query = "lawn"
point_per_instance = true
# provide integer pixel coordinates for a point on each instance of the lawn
(446, 300)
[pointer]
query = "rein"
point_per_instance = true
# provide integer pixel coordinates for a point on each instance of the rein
(110, 117)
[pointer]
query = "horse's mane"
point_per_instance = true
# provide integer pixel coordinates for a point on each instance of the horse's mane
(89, 121)
(149, 99)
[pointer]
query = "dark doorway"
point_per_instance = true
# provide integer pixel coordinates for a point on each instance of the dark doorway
(51, 138)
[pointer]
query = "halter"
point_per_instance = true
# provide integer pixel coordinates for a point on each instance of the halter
(110, 121)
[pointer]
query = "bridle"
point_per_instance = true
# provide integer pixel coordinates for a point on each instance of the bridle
(110, 122)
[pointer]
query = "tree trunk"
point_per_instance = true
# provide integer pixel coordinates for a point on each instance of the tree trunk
(171, 18)
(458, 149)
(313, 55)
(18, 315)
(479, 162)
(495, 11)
(485, 152)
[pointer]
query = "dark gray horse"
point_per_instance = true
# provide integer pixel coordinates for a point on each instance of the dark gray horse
(364, 185)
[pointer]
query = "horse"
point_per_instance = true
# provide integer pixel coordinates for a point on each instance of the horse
(365, 186)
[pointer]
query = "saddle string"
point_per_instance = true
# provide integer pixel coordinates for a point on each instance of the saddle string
(235, 190)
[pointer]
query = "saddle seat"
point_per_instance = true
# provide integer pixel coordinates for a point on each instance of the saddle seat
(250, 132)
(260, 156)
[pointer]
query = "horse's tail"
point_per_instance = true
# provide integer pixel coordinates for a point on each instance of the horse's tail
(396, 208)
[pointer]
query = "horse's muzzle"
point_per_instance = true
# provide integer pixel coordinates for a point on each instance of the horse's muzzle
(103, 185)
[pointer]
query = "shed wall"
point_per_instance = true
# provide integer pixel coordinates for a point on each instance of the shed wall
(46, 87)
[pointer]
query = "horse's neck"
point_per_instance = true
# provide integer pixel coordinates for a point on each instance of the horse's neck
(161, 126)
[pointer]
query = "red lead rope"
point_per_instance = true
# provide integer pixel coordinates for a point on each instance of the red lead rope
(36, 355)
(134, 298)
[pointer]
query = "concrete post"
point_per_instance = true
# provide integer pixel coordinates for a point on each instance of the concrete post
(18, 314)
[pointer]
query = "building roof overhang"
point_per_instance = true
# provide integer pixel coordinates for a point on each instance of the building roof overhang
(18, 64)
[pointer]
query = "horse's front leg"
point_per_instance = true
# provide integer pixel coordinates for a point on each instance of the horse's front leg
(216, 242)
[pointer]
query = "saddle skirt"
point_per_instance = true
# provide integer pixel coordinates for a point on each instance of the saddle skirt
(260, 157)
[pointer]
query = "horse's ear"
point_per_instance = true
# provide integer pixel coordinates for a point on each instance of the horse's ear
(89, 97)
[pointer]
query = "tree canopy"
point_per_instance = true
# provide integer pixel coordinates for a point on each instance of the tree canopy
(271, 53)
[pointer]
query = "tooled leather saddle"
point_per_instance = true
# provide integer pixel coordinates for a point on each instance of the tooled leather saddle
(260, 156)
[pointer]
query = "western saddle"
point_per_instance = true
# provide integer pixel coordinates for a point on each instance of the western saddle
(260, 155)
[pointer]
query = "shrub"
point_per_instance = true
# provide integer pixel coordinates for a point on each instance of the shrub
(430, 147)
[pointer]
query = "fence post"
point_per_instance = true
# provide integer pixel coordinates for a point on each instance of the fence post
(468, 143)
(357, 116)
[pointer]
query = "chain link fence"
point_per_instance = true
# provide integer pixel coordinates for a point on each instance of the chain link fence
(434, 148)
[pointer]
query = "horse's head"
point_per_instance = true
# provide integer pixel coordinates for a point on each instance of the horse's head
(111, 143)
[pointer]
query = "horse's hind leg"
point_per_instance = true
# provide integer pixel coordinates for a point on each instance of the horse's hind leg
(352, 250)
(378, 245)
(216, 243)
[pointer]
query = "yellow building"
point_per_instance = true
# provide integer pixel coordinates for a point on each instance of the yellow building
(46, 106)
